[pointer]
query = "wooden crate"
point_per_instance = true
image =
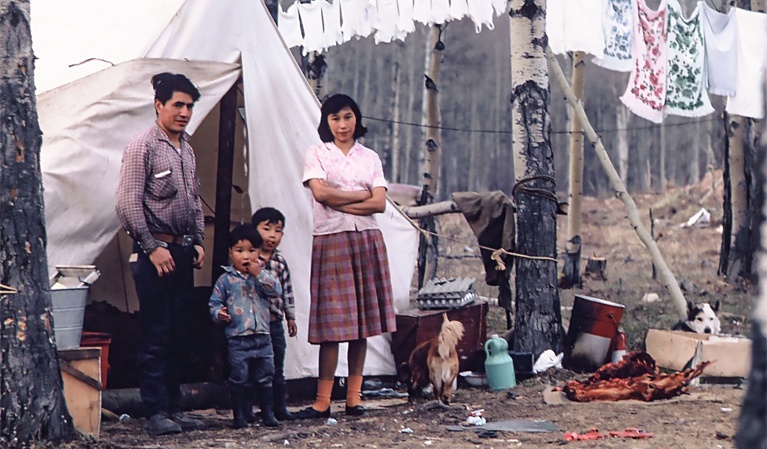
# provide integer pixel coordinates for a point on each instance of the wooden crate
(81, 372)
(415, 326)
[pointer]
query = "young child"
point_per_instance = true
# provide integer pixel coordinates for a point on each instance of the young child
(270, 222)
(241, 299)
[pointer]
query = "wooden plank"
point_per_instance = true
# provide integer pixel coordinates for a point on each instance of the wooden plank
(81, 374)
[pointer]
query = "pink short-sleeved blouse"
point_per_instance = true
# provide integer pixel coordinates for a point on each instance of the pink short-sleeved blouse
(360, 169)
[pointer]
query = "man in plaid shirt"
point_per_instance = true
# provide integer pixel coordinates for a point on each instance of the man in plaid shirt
(159, 206)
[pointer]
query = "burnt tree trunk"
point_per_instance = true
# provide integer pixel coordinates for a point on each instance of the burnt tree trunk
(32, 405)
(538, 316)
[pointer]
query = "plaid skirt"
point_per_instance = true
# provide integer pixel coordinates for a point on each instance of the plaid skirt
(351, 287)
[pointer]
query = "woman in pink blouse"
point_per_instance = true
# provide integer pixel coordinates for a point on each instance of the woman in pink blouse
(350, 281)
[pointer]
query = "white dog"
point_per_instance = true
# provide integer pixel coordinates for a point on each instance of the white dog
(701, 318)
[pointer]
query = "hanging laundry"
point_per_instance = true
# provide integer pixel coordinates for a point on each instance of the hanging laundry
(583, 26)
(481, 13)
(368, 18)
(555, 26)
(405, 23)
(719, 33)
(422, 12)
(331, 17)
(752, 59)
(351, 10)
(311, 20)
(440, 11)
(458, 9)
(290, 26)
(386, 23)
(618, 31)
(500, 6)
(685, 82)
(646, 91)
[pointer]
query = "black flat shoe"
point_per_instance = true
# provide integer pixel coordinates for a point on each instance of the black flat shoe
(357, 410)
(311, 413)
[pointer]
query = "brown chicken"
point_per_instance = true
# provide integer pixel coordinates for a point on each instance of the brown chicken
(635, 377)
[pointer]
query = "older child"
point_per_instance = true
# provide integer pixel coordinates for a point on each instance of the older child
(241, 299)
(270, 223)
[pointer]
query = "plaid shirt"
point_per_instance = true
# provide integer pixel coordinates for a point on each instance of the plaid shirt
(159, 190)
(282, 305)
(246, 298)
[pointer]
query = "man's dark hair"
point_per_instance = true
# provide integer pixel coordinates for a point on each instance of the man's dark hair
(269, 215)
(245, 232)
(332, 105)
(165, 84)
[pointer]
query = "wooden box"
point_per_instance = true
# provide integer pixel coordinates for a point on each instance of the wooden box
(415, 326)
(677, 350)
(81, 372)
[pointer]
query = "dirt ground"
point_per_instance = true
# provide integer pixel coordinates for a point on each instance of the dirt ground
(706, 418)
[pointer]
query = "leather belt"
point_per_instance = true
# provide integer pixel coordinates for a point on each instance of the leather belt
(183, 240)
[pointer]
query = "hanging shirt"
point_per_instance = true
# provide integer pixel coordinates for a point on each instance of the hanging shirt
(331, 18)
(351, 11)
(386, 23)
(685, 82)
(646, 91)
(422, 12)
(405, 23)
(440, 11)
(458, 9)
(499, 6)
(555, 26)
(719, 33)
(752, 59)
(481, 13)
(290, 26)
(583, 26)
(618, 32)
(368, 18)
(311, 19)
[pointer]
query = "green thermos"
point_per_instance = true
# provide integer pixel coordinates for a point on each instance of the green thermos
(499, 367)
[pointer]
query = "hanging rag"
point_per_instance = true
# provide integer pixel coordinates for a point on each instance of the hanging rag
(752, 59)
(646, 91)
(618, 31)
(422, 12)
(440, 11)
(311, 19)
(405, 23)
(331, 17)
(500, 6)
(458, 9)
(555, 26)
(685, 83)
(386, 22)
(481, 13)
(583, 26)
(719, 33)
(289, 26)
(351, 12)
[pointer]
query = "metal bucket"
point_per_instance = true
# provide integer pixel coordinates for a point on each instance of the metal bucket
(593, 326)
(68, 311)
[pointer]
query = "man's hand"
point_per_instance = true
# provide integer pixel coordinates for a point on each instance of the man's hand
(200, 259)
(292, 328)
(162, 260)
(224, 316)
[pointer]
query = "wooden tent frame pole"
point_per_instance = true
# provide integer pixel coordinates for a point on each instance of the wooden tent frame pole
(620, 189)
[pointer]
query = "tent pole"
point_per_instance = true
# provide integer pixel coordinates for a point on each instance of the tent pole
(226, 129)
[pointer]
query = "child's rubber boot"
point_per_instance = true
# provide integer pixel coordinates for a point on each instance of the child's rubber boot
(237, 400)
(281, 411)
(266, 401)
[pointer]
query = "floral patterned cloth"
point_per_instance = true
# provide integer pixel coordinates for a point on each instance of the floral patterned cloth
(646, 91)
(618, 30)
(685, 83)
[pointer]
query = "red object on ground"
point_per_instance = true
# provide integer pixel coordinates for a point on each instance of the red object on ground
(100, 340)
(592, 434)
(631, 432)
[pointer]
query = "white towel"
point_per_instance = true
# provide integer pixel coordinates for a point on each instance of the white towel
(351, 11)
(422, 12)
(368, 18)
(386, 23)
(440, 11)
(481, 13)
(458, 9)
(555, 26)
(500, 6)
(331, 17)
(311, 19)
(405, 23)
(752, 59)
(583, 26)
(290, 26)
(719, 33)
(685, 83)
(618, 31)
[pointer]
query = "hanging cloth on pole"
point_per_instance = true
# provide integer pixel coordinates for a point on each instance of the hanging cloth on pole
(331, 17)
(290, 27)
(583, 26)
(646, 91)
(752, 54)
(311, 19)
(386, 21)
(685, 83)
(618, 31)
(405, 23)
(458, 9)
(481, 13)
(719, 32)
(440, 11)
(555, 26)
(422, 12)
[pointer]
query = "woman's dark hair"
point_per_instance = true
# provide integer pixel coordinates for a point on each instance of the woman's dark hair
(165, 84)
(268, 214)
(332, 105)
(245, 232)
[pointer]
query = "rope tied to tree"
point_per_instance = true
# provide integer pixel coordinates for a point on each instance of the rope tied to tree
(533, 191)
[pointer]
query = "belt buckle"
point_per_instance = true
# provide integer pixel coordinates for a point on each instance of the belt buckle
(188, 240)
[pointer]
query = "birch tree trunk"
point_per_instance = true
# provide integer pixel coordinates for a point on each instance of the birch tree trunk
(394, 151)
(427, 248)
(538, 316)
(571, 271)
(621, 123)
(32, 405)
(662, 159)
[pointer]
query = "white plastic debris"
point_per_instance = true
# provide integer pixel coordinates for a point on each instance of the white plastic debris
(726, 409)
(650, 298)
(548, 359)
(701, 218)
(286, 443)
(476, 420)
(428, 442)
(406, 430)
(331, 422)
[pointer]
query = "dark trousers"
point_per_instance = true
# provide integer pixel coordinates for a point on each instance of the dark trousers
(251, 361)
(279, 345)
(161, 300)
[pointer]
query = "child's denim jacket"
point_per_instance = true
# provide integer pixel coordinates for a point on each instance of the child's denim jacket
(246, 298)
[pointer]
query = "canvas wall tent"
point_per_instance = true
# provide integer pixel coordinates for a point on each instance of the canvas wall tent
(87, 120)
